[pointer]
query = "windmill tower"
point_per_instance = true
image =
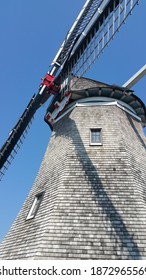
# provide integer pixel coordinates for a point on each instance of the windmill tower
(88, 200)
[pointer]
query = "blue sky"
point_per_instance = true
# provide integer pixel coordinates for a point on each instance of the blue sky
(31, 33)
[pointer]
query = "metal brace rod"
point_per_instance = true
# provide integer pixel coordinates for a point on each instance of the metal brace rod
(136, 77)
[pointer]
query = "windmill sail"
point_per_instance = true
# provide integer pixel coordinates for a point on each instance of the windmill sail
(97, 34)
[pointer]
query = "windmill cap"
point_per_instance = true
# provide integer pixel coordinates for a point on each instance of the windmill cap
(81, 88)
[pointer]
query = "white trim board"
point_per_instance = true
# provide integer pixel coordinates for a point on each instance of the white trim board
(100, 101)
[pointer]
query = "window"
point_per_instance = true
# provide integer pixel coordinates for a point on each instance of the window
(35, 206)
(95, 136)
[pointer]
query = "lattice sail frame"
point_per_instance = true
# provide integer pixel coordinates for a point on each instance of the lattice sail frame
(75, 31)
(80, 26)
(96, 37)
(16, 138)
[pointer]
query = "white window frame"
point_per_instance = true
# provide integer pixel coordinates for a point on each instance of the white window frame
(99, 129)
(36, 204)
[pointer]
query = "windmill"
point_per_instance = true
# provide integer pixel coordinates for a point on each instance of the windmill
(73, 48)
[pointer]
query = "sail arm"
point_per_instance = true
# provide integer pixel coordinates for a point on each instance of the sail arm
(78, 26)
(101, 29)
